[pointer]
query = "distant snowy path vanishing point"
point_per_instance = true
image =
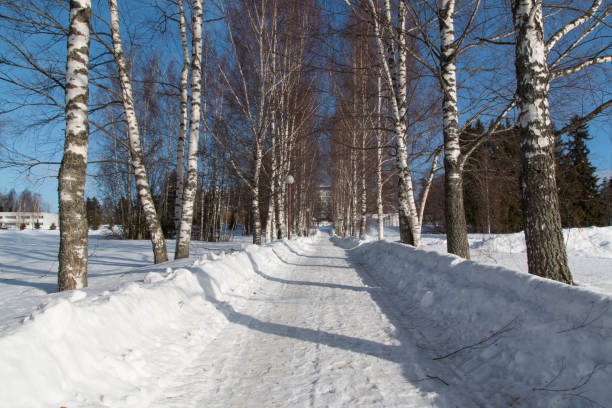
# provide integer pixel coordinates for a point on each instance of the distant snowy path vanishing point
(310, 336)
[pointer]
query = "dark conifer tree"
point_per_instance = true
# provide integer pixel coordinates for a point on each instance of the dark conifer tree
(491, 182)
(94, 213)
(580, 202)
(606, 201)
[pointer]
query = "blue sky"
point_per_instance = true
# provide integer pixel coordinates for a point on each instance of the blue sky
(46, 143)
(42, 179)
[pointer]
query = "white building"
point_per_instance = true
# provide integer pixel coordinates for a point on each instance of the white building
(13, 220)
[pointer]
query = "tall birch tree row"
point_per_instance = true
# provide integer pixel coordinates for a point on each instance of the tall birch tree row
(294, 27)
(440, 59)
(269, 92)
(249, 87)
(352, 134)
(71, 186)
(571, 49)
(390, 30)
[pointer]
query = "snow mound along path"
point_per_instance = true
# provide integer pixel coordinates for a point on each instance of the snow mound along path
(119, 347)
(503, 337)
(586, 242)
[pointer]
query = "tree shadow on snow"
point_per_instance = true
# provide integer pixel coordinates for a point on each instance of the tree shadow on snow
(417, 366)
(44, 286)
(422, 345)
(279, 256)
(258, 271)
(354, 344)
(308, 256)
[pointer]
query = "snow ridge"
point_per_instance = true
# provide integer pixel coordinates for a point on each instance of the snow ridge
(504, 337)
(116, 348)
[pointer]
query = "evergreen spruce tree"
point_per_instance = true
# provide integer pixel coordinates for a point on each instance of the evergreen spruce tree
(491, 182)
(580, 202)
(94, 213)
(606, 201)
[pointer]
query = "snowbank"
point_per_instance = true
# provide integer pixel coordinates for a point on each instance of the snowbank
(94, 349)
(589, 252)
(587, 242)
(551, 341)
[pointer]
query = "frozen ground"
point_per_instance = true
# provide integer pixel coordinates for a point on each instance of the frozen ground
(312, 322)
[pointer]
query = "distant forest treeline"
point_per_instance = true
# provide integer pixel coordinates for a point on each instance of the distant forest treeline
(26, 201)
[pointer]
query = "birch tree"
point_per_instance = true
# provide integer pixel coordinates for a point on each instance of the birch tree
(379, 158)
(456, 229)
(271, 221)
(180, 147)
(144, 192)
(184, 235)
(72, 272)
(546, 254)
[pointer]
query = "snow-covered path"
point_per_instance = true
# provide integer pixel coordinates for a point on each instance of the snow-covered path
(300, 323)
(309, 335)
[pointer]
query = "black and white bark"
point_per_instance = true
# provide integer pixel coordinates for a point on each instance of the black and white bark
(456, 229)
(271, 221)
(72, 272)
(364, 136)
(158, 242)
(546, 254)
(364, 191)
(258, 156)
(180, 145)
(379, 159)
(354, 190)
(189, 193)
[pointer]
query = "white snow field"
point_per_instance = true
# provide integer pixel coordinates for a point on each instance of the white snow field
(312, 322)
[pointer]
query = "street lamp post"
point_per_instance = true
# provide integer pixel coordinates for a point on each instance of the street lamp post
(289, 180)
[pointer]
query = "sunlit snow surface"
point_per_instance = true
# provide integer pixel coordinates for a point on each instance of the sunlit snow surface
(589, 252)
(305, 323)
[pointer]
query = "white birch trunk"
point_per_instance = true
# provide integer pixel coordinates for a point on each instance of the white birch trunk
(180, 146)
(72, 273)
(362, 224)
(255, 195)
(379, 158)
(456, 229)
(546, 254)
(353, 188)
(271, 222)
(184, 236)
(364, 103)
(158, 242)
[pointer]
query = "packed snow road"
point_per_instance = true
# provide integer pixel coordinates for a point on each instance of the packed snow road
(309, 335)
